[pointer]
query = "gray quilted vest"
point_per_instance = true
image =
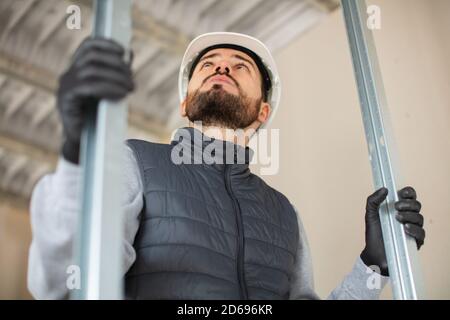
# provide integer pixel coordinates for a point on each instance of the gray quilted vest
(209, 230)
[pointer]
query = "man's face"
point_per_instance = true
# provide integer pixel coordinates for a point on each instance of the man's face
(225, 90)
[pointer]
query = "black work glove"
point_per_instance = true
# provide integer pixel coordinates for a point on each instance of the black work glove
(98, 71)
(408, 213)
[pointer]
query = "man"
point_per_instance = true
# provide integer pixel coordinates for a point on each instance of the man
(208, 230)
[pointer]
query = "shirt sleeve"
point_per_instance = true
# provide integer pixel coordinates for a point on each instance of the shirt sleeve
(302, 282)
(54, 208)
(362, 283)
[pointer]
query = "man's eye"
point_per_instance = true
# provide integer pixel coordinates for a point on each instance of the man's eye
(241, 65)
(207, 64)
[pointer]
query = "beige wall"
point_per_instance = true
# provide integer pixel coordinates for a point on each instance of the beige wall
(324, 167)
(15, 238)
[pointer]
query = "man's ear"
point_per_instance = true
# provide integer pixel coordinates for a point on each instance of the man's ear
(183, 108)
(264, 112)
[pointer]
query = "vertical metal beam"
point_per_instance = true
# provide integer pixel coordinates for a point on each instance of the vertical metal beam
(401, 250)
(100, 242)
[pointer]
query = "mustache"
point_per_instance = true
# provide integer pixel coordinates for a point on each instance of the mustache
(221, 74)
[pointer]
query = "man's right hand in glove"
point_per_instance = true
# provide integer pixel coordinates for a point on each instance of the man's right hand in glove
(98, 71)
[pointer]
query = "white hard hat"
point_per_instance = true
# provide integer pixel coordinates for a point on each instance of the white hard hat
(207, 40)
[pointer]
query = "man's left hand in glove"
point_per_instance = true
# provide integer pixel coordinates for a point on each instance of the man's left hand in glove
(408, 214)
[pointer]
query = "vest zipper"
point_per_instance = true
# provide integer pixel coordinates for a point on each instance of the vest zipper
(240, 243)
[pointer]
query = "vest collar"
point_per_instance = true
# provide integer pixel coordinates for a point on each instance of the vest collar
(197, 148)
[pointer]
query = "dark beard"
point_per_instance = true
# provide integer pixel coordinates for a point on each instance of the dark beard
(217, 107)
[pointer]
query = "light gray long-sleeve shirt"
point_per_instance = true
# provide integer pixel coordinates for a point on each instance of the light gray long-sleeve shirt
(54, 212)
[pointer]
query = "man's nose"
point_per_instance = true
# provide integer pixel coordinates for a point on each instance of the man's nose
(223, 67)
